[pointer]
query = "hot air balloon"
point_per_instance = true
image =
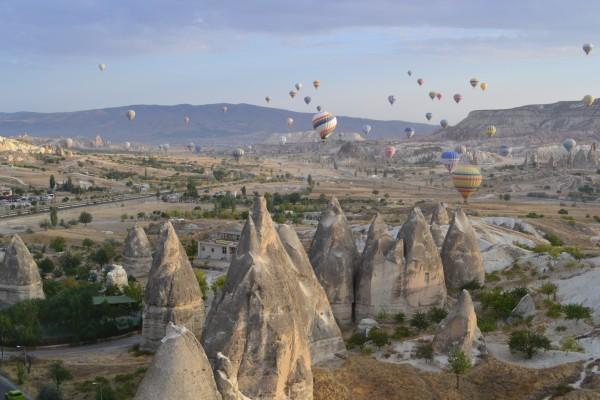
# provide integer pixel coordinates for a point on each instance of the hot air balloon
(457, 98)
(283, 140)
(432, 95)
(130, 115)
(391, 99)
(443, 123)
(225, 109)
(390, 151)
(316, 84)
(190, 146)
(186, 120)
(467, 179)
(410, 132)
(450, 159)
(420, 81)
(268, 99)
(588, 100)
(307, 100)
(324, 123)
(293, 93)
(460, 149)
(197, 148)
(490, 131)
(290, 121)
(474, 82)
(238, 154)
(439, 95)
(298, 86)
(409, 72)
(505, 150)
(569, 144)
(101, 67)
(428, 116)
(587, 47)
(319, 108)
(127, 145)
(366, 129)
(483, 86)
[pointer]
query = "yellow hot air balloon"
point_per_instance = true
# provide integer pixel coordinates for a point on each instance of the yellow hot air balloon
(483, 86)
(491, 130)
(588, 100)
(466, 179)
(316, 83)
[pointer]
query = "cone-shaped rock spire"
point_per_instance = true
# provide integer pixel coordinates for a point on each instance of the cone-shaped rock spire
(19, 275)
(459, 328)
(137, 254)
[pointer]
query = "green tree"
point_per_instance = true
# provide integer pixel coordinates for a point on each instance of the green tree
(458, 364)
(59, 374)
(46, 265)
(69, 262)
(191, 191)
(436, 315)
(527, 342)
(419, 321)
(87, 243)
(379, 337)
(201, 278)
(549, 289)
(53, 216)
(52, 183)
(85, 218)
(576, 312)
(425, 351)
(58, 244)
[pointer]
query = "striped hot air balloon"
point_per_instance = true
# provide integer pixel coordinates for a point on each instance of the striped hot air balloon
(390, 151)
(491, 131)
(324, 123)
(450, 159)
(466, 179)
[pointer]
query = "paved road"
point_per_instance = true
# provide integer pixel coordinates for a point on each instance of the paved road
(7, 386)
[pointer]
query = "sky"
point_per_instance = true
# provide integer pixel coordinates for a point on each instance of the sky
(199, 52)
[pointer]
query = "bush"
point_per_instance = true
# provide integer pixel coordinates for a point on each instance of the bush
(527, 342)
(46, 265)
(500, 303)
(554, 310)
(553, 239)
(58, 244)
(436, 315)
(402, 332)
(562, 211)
(218, 284)
(487, 324)
(358, 339)
(569, 344)
(399, 318)
(419, 321)
(576, 311)
(379, 337)
(425, 350)
(201, 278)
(49, 392)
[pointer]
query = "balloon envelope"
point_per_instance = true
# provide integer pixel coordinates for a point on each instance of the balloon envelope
(474, 82)
(131, 115)
(290, 121)
(569, 144)
(483, 86)
(298, 86)
(491, 130)
(457, 98)
(283, 140)
(588, 100)
(186, 120)
(268, 99)
(238, 153)
(410, 132)
(432, 95)
(307, 99)
(444, 123)
(324, 123)
(225, 109)
(428, 116)
(420, 81)
(366, 129)
(101, 67)
(505, 150)
(587, 48)
(390, 151)
(316, 84)
(391, 99)
(450, 159)
(466, 180)
(439, 95)
(319, 108)
(409, 72)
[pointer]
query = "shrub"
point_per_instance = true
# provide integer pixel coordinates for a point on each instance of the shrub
(358, 339)
(436, 315)
(500, 303)
(570, 344)
(425, 350)
(487, 323)
(58, 244)
(419, 321)
(553, 239)
(576, 311)
(49, 392)
(562, 211)
(399, 318)
(527, 342)
(218, 284)
(379, 337)
(554, 310)
(402, 332)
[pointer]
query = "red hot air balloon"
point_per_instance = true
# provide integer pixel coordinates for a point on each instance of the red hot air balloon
(439, 95)
(457, 98)
(420, 81)
(390, 151)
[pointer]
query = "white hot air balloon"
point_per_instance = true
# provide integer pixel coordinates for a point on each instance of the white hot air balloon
(366, 129)
(131, 115)
(298, 86)
(290, 121)
(283, 140)
(101, 67)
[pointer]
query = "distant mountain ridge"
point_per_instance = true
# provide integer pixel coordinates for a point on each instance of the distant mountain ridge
(545, 122)
(241, 124)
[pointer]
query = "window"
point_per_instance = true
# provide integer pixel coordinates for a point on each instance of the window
(212, 249)
(224, 250)
(203, 248)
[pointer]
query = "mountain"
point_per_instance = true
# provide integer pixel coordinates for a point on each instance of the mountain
(242, 123)
(540, 121)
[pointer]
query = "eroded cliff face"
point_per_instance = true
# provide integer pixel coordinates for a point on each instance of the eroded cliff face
(459, 328)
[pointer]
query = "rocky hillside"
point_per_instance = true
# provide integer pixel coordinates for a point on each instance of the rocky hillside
(242, 123)
(542, 121)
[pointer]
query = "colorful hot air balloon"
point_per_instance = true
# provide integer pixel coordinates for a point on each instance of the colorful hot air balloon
(298, 86)
(307, 100)
(366, 129)
(587, 47)
(588, 100)
(467, 179)
(428, 116)
(490, 131)
(483, 86)
(460, 149)
(316, 84)
(505, 150)
(569, 144)
(293, 93)
(439, 95)
(101, 67)
(324, 123)
(457, 97)
(409, 72)
(410, 132)
(186, 120)
(283, 140)
(319, 108)
(225, 109)
(391, 99)
(420, 81)
(390, 151)
(238, 154)
(130, 115)
(444, 123)
(290, 121)
(432, 95)
(450, 159)
(474, 82)
(268, 99)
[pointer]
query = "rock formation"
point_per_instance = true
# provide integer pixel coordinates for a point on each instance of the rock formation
(580, 159)
(116, 276)
(325, 335)
(137, 254)
(333, 255)
(259, 320)
(459, 328)
(19, 275)
(461, 256)
(524, 309)
(440, 215)
(172, 293)
(227, 380)
(179, 370)
(437, 235)
(404, 275)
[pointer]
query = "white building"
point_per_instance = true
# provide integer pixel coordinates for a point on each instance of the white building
(221, 246)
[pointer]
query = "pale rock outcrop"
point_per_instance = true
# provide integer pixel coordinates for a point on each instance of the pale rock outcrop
(459, 328)
(461, 255)
(437, 235)
(179, 370)
(116, 276)
(172, 293)
(19, 275)
(365, 325)
(325, 335)
(440, 215)
(580, 159)
(524, 309)
(227, 380)
(137, 254)
(259, 319)
(333, 255)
